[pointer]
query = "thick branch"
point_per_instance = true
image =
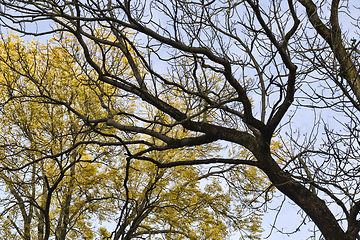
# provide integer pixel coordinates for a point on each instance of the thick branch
(334, 38)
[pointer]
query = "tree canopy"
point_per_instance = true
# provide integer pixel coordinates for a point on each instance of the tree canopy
(131, 105)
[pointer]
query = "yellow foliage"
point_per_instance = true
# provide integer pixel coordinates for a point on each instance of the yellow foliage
(48, 99)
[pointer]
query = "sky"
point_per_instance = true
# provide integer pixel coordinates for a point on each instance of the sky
(287, 220)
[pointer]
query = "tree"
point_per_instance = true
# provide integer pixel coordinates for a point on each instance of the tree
(235, 71)
(59, 175)
(47, 181)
